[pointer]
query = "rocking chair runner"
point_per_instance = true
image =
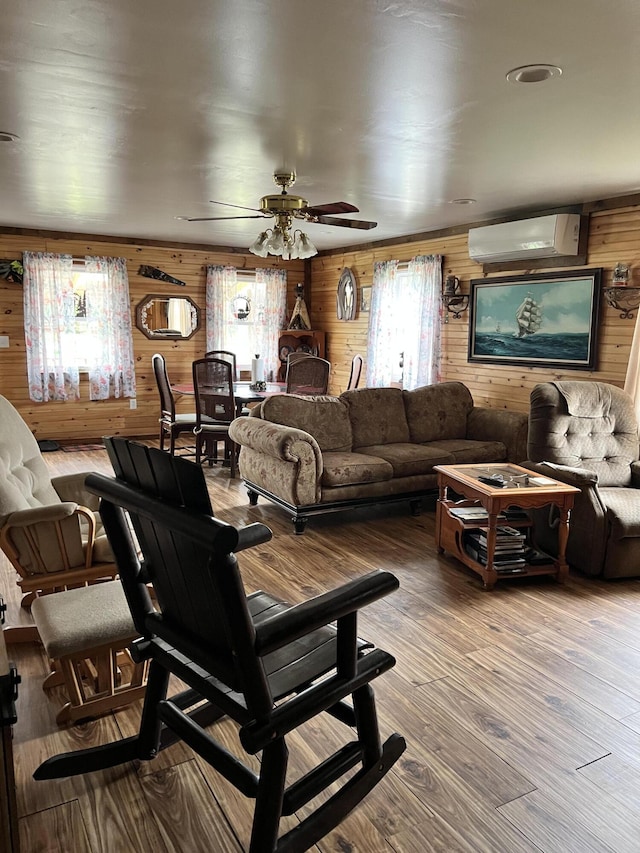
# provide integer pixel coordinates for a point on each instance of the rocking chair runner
(240, 654)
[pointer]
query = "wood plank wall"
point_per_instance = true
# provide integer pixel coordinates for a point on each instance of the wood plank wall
(614, 235)
(85, 420)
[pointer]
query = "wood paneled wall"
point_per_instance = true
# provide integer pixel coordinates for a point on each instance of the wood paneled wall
(85, 420)
(614, 235)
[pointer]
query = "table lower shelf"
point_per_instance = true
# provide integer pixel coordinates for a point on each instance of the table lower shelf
(450, 533)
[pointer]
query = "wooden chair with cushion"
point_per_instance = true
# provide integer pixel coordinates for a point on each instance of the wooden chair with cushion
(171, 424)
(308, 376)
(267, 665)
(215, 409)
(225, 355)
(49, 527)
(86, 631)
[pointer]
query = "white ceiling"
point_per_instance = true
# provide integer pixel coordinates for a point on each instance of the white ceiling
(133, 112)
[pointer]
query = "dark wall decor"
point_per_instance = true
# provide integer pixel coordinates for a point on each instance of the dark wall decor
(11, 270)
(158, 275)
(546, 320)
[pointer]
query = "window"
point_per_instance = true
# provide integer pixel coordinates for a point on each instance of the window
(245, 312)
(404, 323)
(77, 317)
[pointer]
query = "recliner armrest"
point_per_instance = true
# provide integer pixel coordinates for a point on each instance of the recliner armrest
(635, 475)
(302, 619)
(579, 477)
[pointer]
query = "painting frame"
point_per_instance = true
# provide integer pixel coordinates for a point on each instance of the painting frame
(543, 320)
(365, 299)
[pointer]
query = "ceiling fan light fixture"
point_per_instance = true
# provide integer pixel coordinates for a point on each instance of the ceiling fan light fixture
(259, 245)
(304, 246)
(276, 243)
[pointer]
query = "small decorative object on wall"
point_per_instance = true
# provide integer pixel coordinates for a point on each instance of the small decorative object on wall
(158, 275)
(241, 307)
(300, 316)
(365, 299)
(347, 295)
(546, 320)
(11, 271)
(453, 301)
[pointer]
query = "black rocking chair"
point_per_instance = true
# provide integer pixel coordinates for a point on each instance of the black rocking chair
(266, 664)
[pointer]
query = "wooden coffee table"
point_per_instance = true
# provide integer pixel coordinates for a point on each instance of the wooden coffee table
(491, 502)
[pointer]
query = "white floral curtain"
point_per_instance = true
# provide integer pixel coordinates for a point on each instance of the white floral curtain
(221, 289)
(111, 363)
(268, 294)
(384, 322)
(271, 299)
(49, 321)
(421, 362)
(404, 323)
(632, 379)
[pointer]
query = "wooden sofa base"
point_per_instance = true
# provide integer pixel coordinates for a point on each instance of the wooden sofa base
(301, 514)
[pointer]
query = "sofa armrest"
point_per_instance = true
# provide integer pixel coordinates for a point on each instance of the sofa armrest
(511, 428)
(70, 487)
(281, 459)
(635, 475)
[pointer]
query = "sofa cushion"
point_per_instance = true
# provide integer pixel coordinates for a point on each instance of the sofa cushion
(438, 411)
(462, 450)
(346, 469)
(407, 459)
(377, 416)
(324, 417)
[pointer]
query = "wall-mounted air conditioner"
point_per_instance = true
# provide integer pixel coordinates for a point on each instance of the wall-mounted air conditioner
(542, 237)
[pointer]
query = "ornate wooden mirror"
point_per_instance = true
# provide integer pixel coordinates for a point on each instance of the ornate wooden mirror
(160, 316)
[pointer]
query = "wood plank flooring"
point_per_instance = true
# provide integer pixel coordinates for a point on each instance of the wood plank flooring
(520, 707)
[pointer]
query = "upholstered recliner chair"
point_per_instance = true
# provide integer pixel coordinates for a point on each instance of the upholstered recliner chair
(586, 434)
(49, 528)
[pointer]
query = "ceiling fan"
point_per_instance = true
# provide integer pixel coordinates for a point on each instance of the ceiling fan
(284, 208)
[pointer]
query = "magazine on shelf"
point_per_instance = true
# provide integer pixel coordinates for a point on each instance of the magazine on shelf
(473, 513)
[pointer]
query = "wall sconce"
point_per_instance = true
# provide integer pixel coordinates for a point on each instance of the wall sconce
(453, 301)
(620, 295)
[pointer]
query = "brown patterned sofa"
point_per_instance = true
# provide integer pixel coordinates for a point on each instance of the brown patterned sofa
(586, 434)
(313, 455)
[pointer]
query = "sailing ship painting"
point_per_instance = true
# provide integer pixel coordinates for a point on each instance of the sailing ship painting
(528, 317)
(546, 320)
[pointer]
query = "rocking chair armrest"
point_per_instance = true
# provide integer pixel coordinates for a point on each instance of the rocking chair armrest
(252, 534)
(38, 514)
(302, 619)
(71, 487)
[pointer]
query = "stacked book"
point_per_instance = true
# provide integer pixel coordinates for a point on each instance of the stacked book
(509, 552)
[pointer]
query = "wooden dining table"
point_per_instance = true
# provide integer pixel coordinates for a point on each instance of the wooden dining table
(242, 392)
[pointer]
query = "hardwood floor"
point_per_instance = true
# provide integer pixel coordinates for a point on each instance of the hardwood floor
(520, 707)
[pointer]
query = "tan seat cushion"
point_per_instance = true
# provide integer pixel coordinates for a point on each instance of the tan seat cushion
(346, 469)
(85, 618)
(408, 460)
(464, 450)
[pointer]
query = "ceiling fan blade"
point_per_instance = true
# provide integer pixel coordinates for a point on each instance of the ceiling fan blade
(345, 223)
(332, 207)
(217, 218)
(240, 206)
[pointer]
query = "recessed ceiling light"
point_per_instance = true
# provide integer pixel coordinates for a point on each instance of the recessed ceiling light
(462, 201)
(5, 136)
(533, 73)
